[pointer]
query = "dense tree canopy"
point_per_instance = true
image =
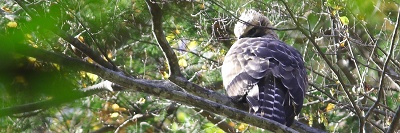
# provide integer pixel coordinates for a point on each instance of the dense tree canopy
(154, 65)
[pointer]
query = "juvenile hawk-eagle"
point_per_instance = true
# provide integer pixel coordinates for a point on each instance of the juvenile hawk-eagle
(263, 71)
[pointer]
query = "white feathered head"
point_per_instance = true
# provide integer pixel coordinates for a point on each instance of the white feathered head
(255, 26)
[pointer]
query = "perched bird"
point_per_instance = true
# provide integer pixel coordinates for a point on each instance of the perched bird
(263, 71)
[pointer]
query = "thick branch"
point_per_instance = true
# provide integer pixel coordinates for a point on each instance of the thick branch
(175, 73)
(161, 88)
(164, 89)
(303, 128)
(95, 56)
(396, 122)
(158, 32)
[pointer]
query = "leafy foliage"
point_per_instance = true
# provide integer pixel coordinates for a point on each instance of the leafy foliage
(347, 45)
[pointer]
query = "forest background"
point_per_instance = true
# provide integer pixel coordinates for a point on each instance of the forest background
(154, 66)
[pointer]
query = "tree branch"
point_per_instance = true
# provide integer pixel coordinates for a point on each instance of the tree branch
(339, 51)
(165, 89)
(175, 73)
(70, 39)
(221, 123)
(172, 60)
(161, 88)
(46, 103)
(194, 53)
(395, 123)
(342, 83)
(392, 46)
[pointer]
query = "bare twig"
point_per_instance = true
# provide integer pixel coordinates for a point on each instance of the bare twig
(339, 52)
(320, 74)
(194, 53)
(131, 120)
(342, 83)
(237, 18)
(221, 123)
(381, 90)
(70, 39)
(102, 51)
(104, 129)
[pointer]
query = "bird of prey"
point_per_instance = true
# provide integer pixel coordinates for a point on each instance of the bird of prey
(263, 71)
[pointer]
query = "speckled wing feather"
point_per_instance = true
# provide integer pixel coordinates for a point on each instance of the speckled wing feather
(269, 74)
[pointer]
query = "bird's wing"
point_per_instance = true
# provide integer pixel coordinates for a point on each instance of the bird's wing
(290, 67)
(251, 59)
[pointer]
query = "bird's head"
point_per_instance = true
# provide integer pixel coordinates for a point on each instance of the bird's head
(256, 26)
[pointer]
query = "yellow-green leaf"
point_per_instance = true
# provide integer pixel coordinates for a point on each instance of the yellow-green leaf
(170, 37)
(92, 77)
(192, 45)
(181, 117)
(344, 20)
(114, 115)
(330, 107)
(12, 24)
(242, 127)
(182, 63)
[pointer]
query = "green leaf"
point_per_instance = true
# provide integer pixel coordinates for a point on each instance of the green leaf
(344, 20)
(181, 117)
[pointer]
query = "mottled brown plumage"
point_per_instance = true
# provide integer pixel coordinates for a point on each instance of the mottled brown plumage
(263, 71)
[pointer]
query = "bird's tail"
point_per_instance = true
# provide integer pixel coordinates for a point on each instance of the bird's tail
(271, 99)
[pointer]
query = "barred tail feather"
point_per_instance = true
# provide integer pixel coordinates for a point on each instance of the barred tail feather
(271, 100)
